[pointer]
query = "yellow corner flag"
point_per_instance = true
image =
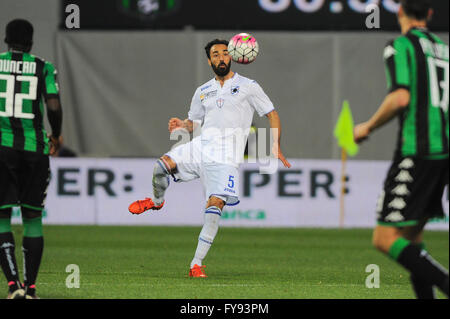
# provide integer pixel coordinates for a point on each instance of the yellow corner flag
(344, 131)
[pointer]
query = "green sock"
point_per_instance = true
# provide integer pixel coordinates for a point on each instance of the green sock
(32, 227)
(5, 225)
(397, 247)
(32, 246)
(421, 265)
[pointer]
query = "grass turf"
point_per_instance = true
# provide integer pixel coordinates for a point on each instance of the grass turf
(260, 263)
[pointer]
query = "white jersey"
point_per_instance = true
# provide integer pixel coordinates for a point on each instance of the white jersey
(226, 113)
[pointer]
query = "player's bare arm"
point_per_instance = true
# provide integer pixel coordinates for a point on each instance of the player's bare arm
(275, 125)
(54, 114)
(394, 103)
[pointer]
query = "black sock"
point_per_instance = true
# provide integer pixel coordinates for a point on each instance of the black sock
(8, 257)
(422, 289)
(32, 248)
(424, 268)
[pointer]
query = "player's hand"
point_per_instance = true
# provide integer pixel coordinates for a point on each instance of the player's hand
(361, 132)
(278, 154)
(175, 123)
(55, 144)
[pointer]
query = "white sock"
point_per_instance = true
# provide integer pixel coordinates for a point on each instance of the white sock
(160, 182)
(207, 235)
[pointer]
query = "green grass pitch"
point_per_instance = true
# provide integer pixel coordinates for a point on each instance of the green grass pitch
(261, 263)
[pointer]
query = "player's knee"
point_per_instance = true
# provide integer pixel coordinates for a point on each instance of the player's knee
(5, 213)
(217, 202)
(168, 164)
(377, 240)
(382, 242)
(378, 244)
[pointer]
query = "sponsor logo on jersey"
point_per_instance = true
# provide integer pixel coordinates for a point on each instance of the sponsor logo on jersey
(234, 90)
(397, 203)
(220, 102)
(395, 216)
(208, 95)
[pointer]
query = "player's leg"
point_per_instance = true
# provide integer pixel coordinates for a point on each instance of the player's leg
(221, 186)
(32, 247)
(34, 180)
(8, 198)
(8, 257)
(384, 238)
(162, 170)
(182, 163)
(412, 195)
(422, 289)
(425, 271)
(213, 212)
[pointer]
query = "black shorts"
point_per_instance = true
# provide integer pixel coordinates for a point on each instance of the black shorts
(24, 178)
(413, 192)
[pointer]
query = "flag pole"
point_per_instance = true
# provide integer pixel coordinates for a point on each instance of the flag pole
(343, 183)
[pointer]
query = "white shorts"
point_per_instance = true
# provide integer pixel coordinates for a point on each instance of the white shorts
(219, 180)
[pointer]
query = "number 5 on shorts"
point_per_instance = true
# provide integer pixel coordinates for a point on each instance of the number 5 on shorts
(231, 181)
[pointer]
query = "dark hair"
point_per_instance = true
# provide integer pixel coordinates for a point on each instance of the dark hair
(19, 33)
(210, 45)
(417, 9)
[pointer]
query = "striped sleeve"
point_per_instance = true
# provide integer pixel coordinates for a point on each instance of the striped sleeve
(397, 64)
(51, 88)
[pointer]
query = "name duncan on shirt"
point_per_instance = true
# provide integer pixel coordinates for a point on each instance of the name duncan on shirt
(17, 67)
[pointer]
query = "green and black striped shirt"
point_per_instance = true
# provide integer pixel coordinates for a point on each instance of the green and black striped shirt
(25, 81)
(418, 62)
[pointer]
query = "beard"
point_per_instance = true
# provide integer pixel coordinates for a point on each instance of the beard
(221, 71)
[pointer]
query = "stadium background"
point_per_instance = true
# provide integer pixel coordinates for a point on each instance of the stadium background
(123, 75)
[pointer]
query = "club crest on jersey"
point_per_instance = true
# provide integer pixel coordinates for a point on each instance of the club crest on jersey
(220, 102)
(234, 90)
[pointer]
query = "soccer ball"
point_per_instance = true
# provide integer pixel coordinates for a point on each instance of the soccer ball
(243, 48)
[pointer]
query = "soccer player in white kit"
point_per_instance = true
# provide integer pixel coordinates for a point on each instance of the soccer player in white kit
(224, 108)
